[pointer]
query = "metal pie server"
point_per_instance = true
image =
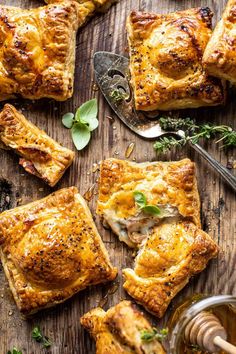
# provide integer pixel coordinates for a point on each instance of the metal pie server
(113, 77)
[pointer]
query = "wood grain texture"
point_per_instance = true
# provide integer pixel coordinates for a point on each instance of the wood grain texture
(61, 324)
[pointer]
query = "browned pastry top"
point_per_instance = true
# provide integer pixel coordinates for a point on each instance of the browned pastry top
(50, 249)
(166, 60)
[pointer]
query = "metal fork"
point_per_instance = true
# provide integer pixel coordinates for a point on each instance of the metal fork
(112, 75)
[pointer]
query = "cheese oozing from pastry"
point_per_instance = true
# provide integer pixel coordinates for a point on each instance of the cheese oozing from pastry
(40, 155)
(219, 58)
(118, 331)
(172, 247)
(166, 60)
(51, 249)
(169, 185)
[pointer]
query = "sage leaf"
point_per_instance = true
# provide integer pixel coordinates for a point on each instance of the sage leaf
(88, 111)
(67, 120)
(140, 199)
(80, 135)
(92, 124)
(151, 209)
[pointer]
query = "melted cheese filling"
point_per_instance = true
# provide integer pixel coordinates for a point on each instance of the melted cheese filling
(136, 229)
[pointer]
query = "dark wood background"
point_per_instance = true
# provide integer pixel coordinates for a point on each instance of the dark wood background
(61, 324)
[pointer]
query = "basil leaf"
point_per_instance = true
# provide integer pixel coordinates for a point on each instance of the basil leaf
(140, 199)
(88, 111)
(80, 135)
(67, 120)
(151, 209)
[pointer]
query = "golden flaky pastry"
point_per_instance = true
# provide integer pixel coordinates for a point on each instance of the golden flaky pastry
(172, 254)
(172, 247)
(37, 51)
(88, 8)
(51, 249)
(166, 60)
(118, 331)
(170, 185)
(219, 57)
(40, 155)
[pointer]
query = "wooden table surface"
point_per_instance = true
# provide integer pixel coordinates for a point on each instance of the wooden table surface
(61, 324)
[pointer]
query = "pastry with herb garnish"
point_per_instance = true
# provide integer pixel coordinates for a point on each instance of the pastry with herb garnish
(166, 60)
(50, 250)
(154, 206)
(40, 155)
(134, 197)
(122, 330)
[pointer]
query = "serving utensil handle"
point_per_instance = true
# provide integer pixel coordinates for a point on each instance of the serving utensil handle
(226, 346)
(225, 174)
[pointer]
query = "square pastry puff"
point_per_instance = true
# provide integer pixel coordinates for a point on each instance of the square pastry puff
(172, 247)
(118, 331)
(174, 251)
(40, 155)
(37, 51)
(172, 186)
(166, 60)
(51, 249)
(219, 57)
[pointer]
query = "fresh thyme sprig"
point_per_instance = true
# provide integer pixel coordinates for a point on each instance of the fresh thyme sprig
(149, 335)
(40, 338)
(193, 133)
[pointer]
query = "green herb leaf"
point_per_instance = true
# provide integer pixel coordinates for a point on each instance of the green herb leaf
(154, 334)
(151, 209)
(118, 96)
(46, 342)
(80, 135)
(14, 351)
(193, 133)
(88, 111)
(36, 334)
(84, 121)
(92, 124)
(40, 338)
(140, 199)
(148, 335)
(67, 120)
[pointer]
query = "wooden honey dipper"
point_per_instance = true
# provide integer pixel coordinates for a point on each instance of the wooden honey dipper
(206, 331)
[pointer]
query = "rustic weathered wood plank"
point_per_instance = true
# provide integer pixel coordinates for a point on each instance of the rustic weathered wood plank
(61, 324)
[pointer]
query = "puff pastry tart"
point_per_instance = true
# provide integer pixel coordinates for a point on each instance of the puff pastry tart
(172, 247)
(219, 57)
(118, 331)
(51, 249)
(166, 60)
(40, 155)
(171, 186)
(172, 254)
(38, 51)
